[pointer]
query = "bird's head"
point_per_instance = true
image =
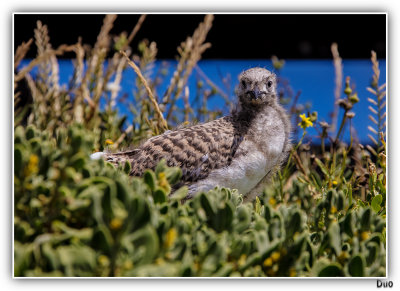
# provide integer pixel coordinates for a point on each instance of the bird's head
(257, 86)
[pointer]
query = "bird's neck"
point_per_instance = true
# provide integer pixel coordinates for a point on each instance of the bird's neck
(246, 114)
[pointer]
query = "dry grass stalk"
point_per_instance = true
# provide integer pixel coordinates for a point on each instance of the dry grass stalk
(212, 84)
(378, 105)
(21, 51)
(146, 64)
(116, 59)
(59, 51)
(135, 31)
(149, 92)
(115, 86)
(78, 64)
(187, 108)
(375, 67)
(94, 72)
(42, 39)
(190, 52)
(103, 39)
(122, 137)
(337, 63)
(54, 91)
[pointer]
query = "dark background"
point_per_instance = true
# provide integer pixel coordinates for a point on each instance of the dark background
(233, 36)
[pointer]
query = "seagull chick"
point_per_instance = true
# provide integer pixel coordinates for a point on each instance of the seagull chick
(240, 151)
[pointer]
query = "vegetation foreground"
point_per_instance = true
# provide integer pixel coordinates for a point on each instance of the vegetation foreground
(323, 215)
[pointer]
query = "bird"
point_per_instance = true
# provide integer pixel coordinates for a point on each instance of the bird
(241, 150)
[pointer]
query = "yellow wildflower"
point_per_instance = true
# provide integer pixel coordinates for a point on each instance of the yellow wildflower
(268, 262)
(109, 141)
(159, 261)
(343, 256)
(32, 167)
(162, 181)
(103, 261)
(128, 265)
(275, 256)
(116, 223)
(242, 260)
(305, 121)
(333, 209)
(364, 235)
(292, 272)
(334, 182)
(272, 201)
(170, 237)
(196, 266)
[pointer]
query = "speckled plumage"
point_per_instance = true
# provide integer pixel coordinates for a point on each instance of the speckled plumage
(241, 150)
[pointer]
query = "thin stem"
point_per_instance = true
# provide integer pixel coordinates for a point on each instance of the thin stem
(341, 127)
(151, 96)
(292, 151)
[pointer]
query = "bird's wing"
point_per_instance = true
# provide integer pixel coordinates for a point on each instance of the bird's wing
(121, 157)
(197, 150)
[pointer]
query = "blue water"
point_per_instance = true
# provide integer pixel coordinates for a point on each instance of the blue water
(315, 79)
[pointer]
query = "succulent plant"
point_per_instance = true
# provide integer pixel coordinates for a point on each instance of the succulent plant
(79, 217)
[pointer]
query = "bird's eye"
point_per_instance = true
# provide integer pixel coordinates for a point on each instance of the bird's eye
(269, 84)
(243, 84)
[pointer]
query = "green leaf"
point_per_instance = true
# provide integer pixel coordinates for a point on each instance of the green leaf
(372, 252)
(322, 167)
(173, 175)
(161, 167)
(127, 167)
(376, 203)
(179, 194)
(150, 179)
(257, 206)
(366, 219)
(294, 224)
(243, 214)
(356, 267)
(18, 159)
(331, 270)
(23, 256)
(146, 242)
(78, 161)
(340, 201)
(347, 224)
(77, 258)
(159, 195)
(225, 217)
(334, 237)
(224, 271)
(30, 132)
(361, 203)
(102, 239)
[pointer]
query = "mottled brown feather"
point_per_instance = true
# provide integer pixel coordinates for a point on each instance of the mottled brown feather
(197, 150)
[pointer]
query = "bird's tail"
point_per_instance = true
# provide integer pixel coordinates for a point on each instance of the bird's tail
(97, 156)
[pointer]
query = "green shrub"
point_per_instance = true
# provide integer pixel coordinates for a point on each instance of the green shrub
(79, 217)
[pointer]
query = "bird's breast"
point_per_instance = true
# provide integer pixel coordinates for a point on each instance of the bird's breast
(246, 170)
(259, 153)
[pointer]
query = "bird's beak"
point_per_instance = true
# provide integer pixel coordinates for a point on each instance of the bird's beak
(255, 94)
(252, 95)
